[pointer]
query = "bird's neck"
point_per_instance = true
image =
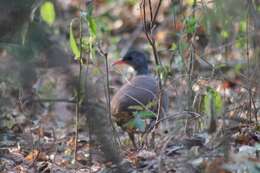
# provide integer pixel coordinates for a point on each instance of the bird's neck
(142, 71)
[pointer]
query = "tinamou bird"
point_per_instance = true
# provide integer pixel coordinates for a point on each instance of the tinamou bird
(141, 90)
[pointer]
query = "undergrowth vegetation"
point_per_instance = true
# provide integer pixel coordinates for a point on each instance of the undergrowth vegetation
(57, 80)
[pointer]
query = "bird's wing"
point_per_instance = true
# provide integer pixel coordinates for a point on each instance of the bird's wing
(141, 90)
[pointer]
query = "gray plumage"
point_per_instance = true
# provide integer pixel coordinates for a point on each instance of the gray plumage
(140, 91)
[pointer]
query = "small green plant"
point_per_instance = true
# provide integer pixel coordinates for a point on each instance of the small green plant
(87, 41)
(163, 71)
(138, 122)
(190, 25)
(212, 107)
(73, 43)
(140, 115)
(212, 102)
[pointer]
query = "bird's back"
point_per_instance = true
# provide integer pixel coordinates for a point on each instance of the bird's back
(141, 90)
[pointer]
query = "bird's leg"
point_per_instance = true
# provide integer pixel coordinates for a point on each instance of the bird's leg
(132, 138)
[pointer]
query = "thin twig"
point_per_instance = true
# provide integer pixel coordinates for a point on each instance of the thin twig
(108, 98)
(107, 82)
(248, 67)
(148, 29)
(55, 100)
(156, 12)
(151, 11)
(78, 91)
(108, 94)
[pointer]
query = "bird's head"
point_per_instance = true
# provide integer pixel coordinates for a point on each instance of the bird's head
(136, 59)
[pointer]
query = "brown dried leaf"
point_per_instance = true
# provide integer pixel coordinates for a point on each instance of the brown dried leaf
(36, 155)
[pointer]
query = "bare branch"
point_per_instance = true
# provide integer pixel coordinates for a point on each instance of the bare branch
(156, 12)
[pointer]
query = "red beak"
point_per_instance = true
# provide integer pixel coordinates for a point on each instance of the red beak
(119, 62)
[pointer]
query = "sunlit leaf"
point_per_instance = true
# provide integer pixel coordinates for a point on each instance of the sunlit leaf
(173, 47)
(224, 34)
(73, 43)
(212, 100)
(190, 2)
(242, 26)
(151, 104)
(136, 107)
(131, 2)
(92, 26)
(212, 108)
(47, 12)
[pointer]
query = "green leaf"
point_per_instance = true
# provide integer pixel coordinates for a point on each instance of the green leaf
(47, 12)
(173, 47)
(144, 114)
(151, 104)
(136, 123)
(191, 24)
(130, 124)
(163, 71)
(92, 26)
(212, 102)
(242, 26)
(136, 107)
(139, 123)
(238, 68)
(224, 34)
(90, 9)
(91, 21)
(73, 43)
(190, 2)
(131, 2)
(240, 42)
